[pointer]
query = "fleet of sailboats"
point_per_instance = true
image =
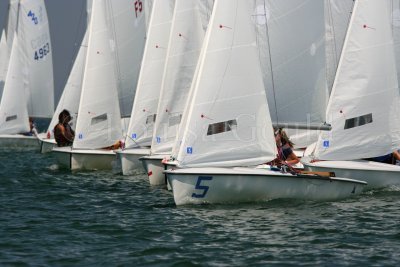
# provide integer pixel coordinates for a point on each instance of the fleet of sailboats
(144, 112)
(111, 56)
(229, 128)
(189, 92)
(190, 21)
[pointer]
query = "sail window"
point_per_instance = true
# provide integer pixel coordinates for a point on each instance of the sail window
(358, 121)
(11, 118)
(174, 120)
(221, 127)
(151, 119)
(98, 119)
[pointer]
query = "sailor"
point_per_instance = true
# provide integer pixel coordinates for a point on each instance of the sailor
(391, 158)
(32, 129)
(63, 132)
(285, 148)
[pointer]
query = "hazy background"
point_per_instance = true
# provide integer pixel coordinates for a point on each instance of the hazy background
(67, 20)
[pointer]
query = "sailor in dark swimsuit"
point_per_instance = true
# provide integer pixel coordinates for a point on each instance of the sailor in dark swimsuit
(63, 132)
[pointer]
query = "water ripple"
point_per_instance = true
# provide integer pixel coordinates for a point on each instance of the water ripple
(52, 217)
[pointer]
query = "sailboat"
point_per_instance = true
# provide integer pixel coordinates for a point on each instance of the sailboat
(364, 105)
(229, 124)
(99, 117)
(69, 99)
(28, 86)
(189, 25)
(144, 112)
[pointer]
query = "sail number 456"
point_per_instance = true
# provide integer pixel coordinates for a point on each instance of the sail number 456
(204, 188)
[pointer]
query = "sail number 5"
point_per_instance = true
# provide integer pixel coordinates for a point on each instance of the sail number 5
(138, 7)
(204, 188)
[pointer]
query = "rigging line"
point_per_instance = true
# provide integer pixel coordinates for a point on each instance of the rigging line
(270, 64)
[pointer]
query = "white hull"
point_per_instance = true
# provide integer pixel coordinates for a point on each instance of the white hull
(154, 168)
(129, 160)
(18, 141)
(88, 160)
(47, 145)
(236, 185)
(377, 175)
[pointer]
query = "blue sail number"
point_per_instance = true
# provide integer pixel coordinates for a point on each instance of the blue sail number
(202, 187)
(33, 17)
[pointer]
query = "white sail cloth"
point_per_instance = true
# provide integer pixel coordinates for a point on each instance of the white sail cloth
(98, 123)
(36, 53)
(72, 91)
(229, 123)
(364, 103)
(292, 43)
(28, 88)
(144, 112)
(128, 29)
(338, 14)
(13, 105)
(189, 24)
(4, 56)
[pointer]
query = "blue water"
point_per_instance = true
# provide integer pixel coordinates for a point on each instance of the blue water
(50, 217)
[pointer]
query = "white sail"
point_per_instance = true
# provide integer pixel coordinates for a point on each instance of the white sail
(89, 4)
(128, 28)
(182, 126)
(34, 37)
(72, 91)
(148, 10)
(295, 66)
(185, 116)
(98, 123)
(363, 108)
(189, 24)
(229, 123)
(13, 105)
(395, 11)
(11, 27)
(338, 14)
(337, 18)
(144, 110)
(3, 61)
